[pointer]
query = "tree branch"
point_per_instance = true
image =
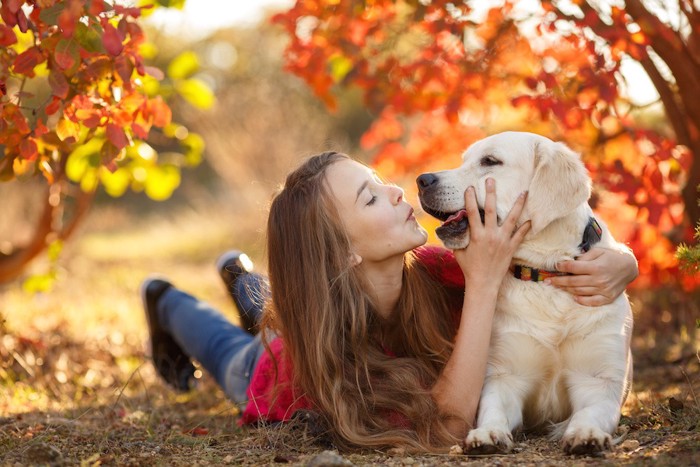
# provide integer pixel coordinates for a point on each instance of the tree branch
(674, 111)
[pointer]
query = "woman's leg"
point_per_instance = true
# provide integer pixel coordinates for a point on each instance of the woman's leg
(227, 351)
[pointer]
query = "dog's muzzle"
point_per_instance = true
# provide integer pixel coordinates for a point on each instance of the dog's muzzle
(454, 224)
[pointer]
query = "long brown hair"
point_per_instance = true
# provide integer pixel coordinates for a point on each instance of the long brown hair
(369, 379)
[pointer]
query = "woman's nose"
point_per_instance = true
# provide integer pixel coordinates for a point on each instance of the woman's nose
(397, 194)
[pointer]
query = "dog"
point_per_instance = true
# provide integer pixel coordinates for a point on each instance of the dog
(553, 363)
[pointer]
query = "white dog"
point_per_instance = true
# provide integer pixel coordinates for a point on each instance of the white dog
(552, 361)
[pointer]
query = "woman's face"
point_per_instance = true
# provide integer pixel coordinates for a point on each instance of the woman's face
(379, 222)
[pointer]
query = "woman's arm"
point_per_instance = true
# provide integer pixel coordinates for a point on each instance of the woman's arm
(484, 263)
(599, 276)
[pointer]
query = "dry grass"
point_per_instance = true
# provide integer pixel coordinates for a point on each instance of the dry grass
(77, 389)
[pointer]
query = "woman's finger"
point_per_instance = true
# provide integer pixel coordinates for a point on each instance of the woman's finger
(490, 217)
(472, 209)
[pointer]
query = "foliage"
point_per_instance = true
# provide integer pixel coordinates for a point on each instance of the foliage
(437, 74)
(79, 105)
(689, 256)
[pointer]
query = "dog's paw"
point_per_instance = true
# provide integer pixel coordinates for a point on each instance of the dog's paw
(488, 441)
(586, 441)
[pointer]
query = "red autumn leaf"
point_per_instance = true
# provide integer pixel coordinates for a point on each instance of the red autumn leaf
(117, 136)
(197, 431)
(22, 21)
(40, 129)
(59, 84)
(112, 39)
(53, 106)
(124, 69)
(134, 12)
(139, 131)
(28, 149)
(67, 54)
(67, 21)
(7, 36)
(108, 152)
(25, 62)
(97, 7)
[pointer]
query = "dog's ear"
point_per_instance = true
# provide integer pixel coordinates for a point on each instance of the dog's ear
(559, 185)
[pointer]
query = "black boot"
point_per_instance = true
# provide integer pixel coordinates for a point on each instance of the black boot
(171, 362)
(232, 265)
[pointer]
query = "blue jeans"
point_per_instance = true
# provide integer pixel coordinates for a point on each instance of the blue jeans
(227, 351)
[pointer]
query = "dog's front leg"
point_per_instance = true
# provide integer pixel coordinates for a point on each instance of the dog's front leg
(596, 384)
(500, 412)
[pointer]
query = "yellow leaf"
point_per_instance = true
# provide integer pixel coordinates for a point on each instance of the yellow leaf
(184, 65)
(65, 129)
(196, 92)
(340, 67)
(194, 147)
(115, 183)
(161, 181)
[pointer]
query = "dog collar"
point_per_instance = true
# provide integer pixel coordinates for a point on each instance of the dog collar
(591, 235)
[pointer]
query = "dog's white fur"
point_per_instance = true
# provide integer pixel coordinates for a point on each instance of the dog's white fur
(552, 361)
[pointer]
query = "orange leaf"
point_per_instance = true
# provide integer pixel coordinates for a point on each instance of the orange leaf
(162, 115)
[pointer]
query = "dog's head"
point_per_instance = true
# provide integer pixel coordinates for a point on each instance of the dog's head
(553, 174)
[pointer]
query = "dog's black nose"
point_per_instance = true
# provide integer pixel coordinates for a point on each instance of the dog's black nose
(426, 180)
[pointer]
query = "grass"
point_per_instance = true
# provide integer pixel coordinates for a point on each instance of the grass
(76, 387)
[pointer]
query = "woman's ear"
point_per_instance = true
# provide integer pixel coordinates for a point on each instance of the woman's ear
(355, 259)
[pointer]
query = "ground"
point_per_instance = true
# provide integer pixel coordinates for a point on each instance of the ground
(77, 388)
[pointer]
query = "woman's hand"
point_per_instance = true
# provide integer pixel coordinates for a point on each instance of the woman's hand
(491, 247)
(599, 276)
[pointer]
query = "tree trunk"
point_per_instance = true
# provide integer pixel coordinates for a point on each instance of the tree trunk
(49, 227)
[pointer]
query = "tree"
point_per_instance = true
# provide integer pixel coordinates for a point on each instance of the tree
(80, 108)
(436, 73)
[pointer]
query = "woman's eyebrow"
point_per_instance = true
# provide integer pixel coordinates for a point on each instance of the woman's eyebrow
(362, 187)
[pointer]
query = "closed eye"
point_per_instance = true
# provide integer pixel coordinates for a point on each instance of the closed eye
(490, 161)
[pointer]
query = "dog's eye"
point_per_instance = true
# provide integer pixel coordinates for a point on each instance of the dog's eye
(490, 161)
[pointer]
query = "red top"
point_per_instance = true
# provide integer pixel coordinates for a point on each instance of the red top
(272, 400)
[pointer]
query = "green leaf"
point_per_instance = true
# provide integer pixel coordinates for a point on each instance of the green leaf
(184, 65)
(50, 15)
(161, 181)
(196, 92)
(89, 38)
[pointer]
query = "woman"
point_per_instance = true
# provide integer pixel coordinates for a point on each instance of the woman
(366, 326)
